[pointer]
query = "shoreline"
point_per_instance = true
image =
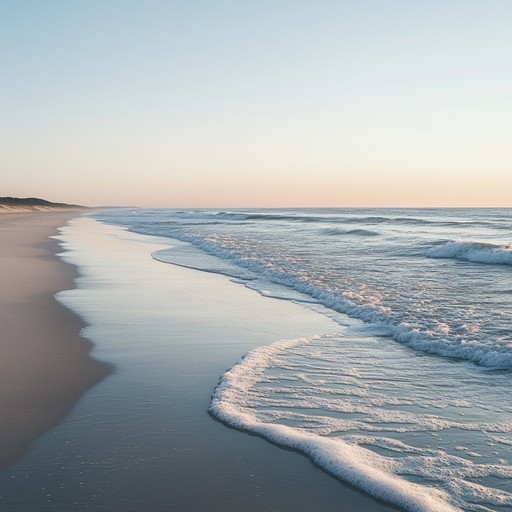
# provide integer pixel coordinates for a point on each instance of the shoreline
(45, 365)
(143, 438)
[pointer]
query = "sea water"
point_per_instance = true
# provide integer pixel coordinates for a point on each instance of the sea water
(411, 402)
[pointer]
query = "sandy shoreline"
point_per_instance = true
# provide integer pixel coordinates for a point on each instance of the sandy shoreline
(44, 364)
(142, 439)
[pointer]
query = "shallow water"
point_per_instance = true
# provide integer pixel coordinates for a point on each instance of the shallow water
(418, 385)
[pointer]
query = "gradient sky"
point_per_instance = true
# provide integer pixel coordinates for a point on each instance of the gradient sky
(257, 103)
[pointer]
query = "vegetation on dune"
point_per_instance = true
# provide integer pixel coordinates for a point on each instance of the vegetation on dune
(33, 201)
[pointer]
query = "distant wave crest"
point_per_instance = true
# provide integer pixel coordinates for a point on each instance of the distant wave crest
(341, 232)
(475, 252)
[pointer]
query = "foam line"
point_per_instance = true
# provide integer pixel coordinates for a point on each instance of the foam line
(353, 464)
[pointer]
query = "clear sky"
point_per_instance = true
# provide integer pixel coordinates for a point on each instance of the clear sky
(257, 103)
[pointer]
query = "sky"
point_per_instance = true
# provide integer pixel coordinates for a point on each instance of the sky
(271, 103)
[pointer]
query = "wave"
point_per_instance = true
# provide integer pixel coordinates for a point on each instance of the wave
(327, 216)
(336, 219)
(354, 464)
(475, 252)
(427, 340)
(274, 217)
(342, 218)
(424, 339)
(341, 232)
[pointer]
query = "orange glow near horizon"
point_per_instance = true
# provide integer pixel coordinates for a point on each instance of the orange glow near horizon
(383, 106)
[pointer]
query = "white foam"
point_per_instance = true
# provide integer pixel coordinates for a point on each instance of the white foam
(353, 464)
(475, 252)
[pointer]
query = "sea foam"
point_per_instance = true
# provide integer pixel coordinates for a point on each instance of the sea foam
(351, 463)
(314, 394)
(475, 252)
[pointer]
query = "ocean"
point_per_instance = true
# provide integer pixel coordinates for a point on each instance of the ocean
(410, 400)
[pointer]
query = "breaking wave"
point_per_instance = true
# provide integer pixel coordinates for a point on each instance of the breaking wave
(475, 252)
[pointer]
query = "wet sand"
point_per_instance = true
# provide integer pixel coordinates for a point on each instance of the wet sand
(44, 363)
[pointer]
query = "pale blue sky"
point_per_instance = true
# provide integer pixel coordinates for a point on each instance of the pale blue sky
(257, 103)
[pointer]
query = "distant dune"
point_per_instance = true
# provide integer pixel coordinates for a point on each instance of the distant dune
(32, 204)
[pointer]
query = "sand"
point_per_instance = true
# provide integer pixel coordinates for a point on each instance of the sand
(142, 438)
(44, 364)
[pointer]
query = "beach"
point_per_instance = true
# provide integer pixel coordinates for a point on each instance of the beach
(141, 438)
(44, 364)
